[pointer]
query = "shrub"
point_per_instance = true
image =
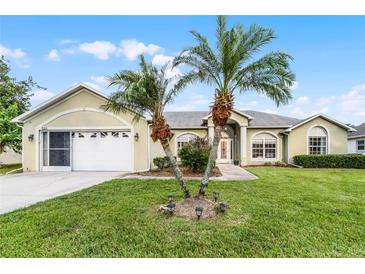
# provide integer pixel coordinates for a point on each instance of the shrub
(331, 161)
(280, 164)
(161, 162)
(195, 154)
(268, 164)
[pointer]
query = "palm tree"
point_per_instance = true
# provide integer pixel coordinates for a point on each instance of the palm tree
(147, 91)
(231, 68)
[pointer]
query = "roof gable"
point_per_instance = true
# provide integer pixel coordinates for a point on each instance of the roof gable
(57, 98)
(360, 131)
(302, 122)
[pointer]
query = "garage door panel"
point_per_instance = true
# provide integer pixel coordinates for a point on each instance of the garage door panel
(110, 152)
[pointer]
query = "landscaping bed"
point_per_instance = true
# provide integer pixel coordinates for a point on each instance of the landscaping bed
(167, 172)
(7, 168)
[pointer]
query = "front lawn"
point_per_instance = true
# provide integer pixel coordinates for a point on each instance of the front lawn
(285, 213)
(6, 168)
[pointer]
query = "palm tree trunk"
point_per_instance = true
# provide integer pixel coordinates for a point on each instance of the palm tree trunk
(211, 160)
(175, 168)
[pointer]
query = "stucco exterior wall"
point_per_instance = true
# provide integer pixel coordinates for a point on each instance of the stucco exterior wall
(10, 157)
(157, 150)
(352, 145)
(251, 132)
(81, 118)
(298, 138)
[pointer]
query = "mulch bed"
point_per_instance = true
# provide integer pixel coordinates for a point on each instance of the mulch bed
(186, 208)
(167, 172)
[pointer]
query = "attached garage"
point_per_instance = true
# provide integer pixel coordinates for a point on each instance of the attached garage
(86, 151)
(71, 132)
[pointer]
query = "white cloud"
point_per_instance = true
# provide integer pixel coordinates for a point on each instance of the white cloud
(131, 48)
(353, 102)
(271, 111)
(161, 59)
(67, 41)
(99, 79)
(295, 85)
(186, 107)
(302, 100)
(200, 100)
(100, 49)
(12, 53)
(298, 112)
(41, 95)
(326, 100)
(69, 51)
(17, 54)
(53, 55)
(93, 85)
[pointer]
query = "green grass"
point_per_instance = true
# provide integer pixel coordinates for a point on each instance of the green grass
(6, 168)
(286, 213)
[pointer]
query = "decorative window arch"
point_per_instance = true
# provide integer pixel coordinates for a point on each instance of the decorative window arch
(184, 138)
(317, 140)
(264, 146)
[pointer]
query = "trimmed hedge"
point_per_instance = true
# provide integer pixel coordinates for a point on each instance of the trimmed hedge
(331, 161)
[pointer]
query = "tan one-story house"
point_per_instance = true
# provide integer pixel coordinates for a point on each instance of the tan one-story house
(71, 132)
(356, 140)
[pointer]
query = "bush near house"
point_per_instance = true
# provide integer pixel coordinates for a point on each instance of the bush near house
(195, 154)
(331, 161)
(161, 162)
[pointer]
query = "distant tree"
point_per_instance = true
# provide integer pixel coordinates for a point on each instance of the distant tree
(10, 133)
(14, 100)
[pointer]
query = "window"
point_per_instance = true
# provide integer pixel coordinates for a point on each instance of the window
(264, 147)
(103, 134)
(115, 134)
(317, 140)
(360, 144)
(93, 135)
(183, 139)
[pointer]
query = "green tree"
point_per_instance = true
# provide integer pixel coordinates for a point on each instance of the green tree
(230, 67)
(14, 100)
(10, 133)
(147, 91)
(13, 91)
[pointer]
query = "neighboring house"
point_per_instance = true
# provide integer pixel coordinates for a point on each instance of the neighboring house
(356, 140)
(71, 132)
(10, 157)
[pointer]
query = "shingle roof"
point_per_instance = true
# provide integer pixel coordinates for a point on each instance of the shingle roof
(185, 119)
(193, 119)
(360, 131)
(264, 119)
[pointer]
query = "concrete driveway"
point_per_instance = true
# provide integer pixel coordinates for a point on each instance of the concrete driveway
(25, 189)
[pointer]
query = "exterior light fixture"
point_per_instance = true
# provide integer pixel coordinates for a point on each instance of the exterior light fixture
(31, 137)
(136, 137)
(199, 211)
(215, 195)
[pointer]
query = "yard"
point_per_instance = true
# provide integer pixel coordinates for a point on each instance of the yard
(6, 168)
(285, 213)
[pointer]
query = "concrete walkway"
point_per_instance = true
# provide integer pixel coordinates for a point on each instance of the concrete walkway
(234, 173)
(25, 189)
(229, 173)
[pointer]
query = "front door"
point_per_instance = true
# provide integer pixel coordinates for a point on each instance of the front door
(225, 149)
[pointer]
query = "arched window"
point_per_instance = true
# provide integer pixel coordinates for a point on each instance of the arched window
(264, 146)
(183, 139)
(317, 140)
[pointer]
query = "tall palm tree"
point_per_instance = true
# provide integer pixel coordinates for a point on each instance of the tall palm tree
(147, 92)
(231, 68)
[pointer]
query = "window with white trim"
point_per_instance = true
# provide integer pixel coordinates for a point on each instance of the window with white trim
(317, 140)
(264, 147)
(360, 145)
(184, 139)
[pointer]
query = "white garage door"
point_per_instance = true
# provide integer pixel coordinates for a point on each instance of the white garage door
(102, 151)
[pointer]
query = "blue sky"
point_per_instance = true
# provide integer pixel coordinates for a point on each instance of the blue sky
(59, 51)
